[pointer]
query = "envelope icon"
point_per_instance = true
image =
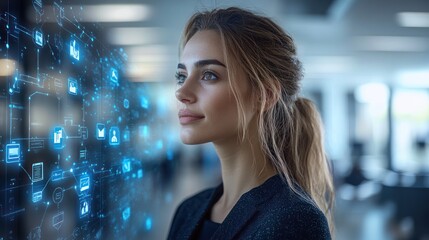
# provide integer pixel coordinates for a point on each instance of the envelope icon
(101, 131)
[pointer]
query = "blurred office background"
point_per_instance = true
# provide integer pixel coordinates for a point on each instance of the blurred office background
(366, 67)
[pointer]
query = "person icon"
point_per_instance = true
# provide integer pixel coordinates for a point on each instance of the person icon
(114, 138)
(114, 75)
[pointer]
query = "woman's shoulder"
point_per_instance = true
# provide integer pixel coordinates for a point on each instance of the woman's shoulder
(292, 203)
(291, 213)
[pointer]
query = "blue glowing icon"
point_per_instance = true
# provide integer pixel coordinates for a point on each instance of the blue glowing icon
(13, 153)
(101, 131)
(126, 165)
(140, 173)
(126, 213)
(57, 220)
(126, 135)
(56, 175)
(58, 195)
(38, 37)
(84, 183)
(114, 136)
(59, 136)
(144, 131)
(84, 208)
(126, 103)
(114, 77)
(82, 153)
(37, 172)
(72, 86)
(83, 132)
(74, 49)
(159, 144)
(148, 223)
(144, 103)
(37, 196)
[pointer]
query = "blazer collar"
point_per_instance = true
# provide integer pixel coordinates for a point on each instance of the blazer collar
(198, 216)
(246, 207)
(240, 214)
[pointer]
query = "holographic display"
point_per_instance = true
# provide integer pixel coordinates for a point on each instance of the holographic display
(77, 148)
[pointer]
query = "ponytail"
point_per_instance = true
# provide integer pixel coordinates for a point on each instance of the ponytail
(299, 155)
(307, 153)
(292, 138)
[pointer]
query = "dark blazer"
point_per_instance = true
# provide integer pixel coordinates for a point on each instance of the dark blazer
(270, 211)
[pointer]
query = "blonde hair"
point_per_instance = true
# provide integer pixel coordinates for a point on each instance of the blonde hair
(289, 127)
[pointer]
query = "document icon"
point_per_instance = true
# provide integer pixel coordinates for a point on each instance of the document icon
(101, 131)
(37, 172)
(12, 153)
(59, 136)
(84, 183)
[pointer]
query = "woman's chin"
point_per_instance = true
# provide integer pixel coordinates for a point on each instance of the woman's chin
(190, 139)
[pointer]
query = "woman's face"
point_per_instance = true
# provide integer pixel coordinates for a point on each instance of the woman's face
(208, 111)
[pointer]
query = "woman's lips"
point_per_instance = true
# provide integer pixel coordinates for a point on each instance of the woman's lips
(187, 117)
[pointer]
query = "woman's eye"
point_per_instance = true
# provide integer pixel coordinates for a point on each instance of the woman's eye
(180, 78)
(209, 76)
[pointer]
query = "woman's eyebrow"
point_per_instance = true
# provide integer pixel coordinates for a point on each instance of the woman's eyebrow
(202, 63)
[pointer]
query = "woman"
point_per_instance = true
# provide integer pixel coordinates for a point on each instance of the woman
(239, 80)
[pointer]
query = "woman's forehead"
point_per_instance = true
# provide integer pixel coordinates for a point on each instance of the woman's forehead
(206, 44)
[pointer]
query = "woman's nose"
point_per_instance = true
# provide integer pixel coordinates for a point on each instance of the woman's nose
(185, 94)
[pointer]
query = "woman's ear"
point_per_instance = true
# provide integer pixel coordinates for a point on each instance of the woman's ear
(270, 99)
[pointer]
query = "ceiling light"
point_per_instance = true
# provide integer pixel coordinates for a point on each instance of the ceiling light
(114, 12)
(316, 65)
(413, 19)
(392, 43)
(149, 53)
(417, 79)
(134, 35)
(372, 93)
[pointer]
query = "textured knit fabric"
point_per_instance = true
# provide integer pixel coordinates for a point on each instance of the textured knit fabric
(269, 211)
(207, 229)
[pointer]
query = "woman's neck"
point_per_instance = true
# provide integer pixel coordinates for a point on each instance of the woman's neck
(243, 167)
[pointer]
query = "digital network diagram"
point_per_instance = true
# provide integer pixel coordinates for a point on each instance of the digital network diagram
(69, 166)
